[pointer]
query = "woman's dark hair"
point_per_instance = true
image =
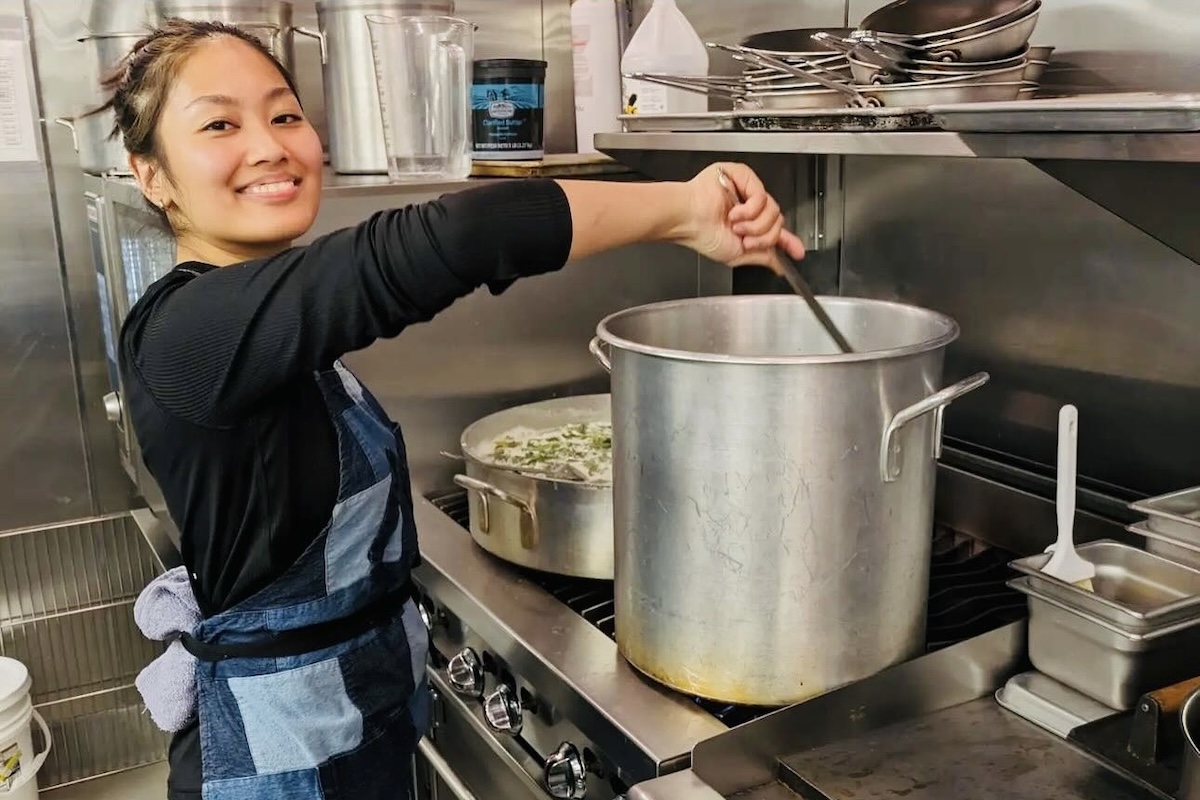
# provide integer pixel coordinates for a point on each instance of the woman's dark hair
(139, 83)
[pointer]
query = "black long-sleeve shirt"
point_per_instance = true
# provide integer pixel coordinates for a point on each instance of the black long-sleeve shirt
(218, 368)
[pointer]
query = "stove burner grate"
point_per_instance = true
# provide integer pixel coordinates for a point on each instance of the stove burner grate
(967, 595)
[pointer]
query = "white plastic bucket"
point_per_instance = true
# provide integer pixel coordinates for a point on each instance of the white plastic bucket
(18, 764)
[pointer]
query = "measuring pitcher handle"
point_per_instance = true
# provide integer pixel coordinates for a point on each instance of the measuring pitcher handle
(889, 450)
(319, 36)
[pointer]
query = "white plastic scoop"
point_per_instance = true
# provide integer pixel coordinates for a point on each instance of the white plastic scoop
(1065, 564)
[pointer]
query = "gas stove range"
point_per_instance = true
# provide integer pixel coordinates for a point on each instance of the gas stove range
(532, 698)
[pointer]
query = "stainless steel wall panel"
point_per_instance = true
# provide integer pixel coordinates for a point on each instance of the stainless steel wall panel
(1061, 300)
(1058, 299)
(68, 87)
(43, 473)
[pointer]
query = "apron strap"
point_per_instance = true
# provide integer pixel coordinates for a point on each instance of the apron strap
(285, 644)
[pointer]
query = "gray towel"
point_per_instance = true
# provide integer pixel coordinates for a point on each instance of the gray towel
(166, 608)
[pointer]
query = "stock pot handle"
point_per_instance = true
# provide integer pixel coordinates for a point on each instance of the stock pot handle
(597, 349)
(486, 490)
(319, 36)
(889, 450)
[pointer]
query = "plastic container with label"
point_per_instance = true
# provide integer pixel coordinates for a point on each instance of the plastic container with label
(508, 108)
(665, 43)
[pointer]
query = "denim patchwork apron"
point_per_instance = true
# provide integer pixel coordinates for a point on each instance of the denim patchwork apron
(313, 689)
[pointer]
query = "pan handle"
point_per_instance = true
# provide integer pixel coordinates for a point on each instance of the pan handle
(529, 535)
(889, 450)
(320, 37)
(69, 124)
(597, 349)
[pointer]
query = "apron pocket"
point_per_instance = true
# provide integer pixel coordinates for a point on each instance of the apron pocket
(298, 718)
(381, 769)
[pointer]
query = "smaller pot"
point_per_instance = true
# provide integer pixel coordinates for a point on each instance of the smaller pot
(268, 20)
(559, 526)
(98, 154)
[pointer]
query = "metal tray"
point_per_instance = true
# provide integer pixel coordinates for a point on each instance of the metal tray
(836, 120)
(1176, 515)
(1134, 590)
(702, 121)
(1117, 112)
(1049, 704)
(1167, 547)
(1104, 662)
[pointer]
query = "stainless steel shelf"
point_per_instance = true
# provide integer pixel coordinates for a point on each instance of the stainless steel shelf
(1162, 147)
(335, 184)
(125, 188)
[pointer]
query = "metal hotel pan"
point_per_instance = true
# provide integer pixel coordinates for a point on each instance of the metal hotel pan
(1168, 547)
(1176, 514)
(1134, 590)
(1102, 660)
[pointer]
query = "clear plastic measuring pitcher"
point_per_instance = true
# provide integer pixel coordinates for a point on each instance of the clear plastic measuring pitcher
(423, 71)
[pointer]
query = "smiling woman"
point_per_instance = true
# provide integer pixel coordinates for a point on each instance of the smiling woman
(202, 163)
(296, 667)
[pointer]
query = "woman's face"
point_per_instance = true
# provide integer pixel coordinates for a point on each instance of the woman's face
(242, 164)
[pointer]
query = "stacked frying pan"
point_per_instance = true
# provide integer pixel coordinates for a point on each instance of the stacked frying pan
(909, 53)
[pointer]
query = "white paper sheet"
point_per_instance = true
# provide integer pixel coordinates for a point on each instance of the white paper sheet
(18, 128)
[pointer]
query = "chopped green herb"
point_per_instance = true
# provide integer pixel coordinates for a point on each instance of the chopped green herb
(579, 451)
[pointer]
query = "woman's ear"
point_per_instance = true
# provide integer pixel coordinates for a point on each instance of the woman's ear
(149, 177)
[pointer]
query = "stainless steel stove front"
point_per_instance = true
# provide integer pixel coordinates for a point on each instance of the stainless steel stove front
(495, 735)
(532, 699)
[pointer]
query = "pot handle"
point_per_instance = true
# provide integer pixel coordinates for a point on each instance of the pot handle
(69, 124)
(320, 37)
(486, 490)
(889, 450)
(597, 349)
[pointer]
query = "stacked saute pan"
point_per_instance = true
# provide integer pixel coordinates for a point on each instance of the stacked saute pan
(909, 53)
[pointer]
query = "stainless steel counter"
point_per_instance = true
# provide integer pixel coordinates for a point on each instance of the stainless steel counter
(976, 750)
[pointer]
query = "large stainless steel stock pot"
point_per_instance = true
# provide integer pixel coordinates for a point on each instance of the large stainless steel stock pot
(773, 497)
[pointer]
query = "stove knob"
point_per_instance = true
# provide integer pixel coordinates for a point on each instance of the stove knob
(425, 609)
(113, 409)
(502, 710)
(465, 672)
(565, 773)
